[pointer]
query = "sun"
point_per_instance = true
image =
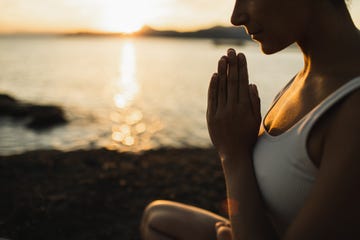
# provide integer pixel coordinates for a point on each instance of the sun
(123, 16)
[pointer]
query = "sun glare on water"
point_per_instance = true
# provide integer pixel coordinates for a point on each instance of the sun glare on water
(123, 16)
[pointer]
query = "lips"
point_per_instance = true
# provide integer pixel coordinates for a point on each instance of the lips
(255, 35)
(253, 32)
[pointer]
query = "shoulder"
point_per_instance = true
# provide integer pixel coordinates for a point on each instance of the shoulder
(343, 131)
(338, 132)
(332, 208)
(335, 195)
(338, 126)
(346, 117)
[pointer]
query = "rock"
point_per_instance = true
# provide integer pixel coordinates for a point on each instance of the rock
(45, 116)
(5, 97)
(41, 116)
(9, 106)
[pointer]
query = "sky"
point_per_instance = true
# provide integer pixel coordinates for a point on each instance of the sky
(118, 15)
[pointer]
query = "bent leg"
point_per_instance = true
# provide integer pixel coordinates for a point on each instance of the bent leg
(171, 220)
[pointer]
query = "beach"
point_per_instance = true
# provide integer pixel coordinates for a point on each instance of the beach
(101, 194)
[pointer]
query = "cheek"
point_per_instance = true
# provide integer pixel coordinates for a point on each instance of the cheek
(286, 28)
(281, 24)
(281, 33)
(253, 7)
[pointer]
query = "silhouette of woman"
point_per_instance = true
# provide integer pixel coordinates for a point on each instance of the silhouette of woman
(295, 174)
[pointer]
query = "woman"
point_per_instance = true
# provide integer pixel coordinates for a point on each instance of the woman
(296, 174)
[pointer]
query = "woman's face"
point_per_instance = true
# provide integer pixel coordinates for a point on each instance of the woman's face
(275, 24)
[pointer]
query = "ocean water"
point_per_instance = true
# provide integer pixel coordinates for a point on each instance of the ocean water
(123, 93)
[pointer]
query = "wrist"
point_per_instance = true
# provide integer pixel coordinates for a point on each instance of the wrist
(238, 160)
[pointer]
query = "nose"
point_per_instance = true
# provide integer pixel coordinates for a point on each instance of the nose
(239, 16)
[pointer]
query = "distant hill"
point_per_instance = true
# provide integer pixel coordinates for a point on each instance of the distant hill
(217, 32)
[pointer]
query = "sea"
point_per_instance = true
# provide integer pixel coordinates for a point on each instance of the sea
(125, 94)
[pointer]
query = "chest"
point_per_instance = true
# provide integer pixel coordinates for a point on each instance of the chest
(284, 175)
(288, 111)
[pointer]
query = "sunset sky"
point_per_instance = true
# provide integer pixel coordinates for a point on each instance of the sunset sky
(117, 15)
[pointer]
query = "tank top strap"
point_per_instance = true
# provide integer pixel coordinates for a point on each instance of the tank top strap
(313, 116)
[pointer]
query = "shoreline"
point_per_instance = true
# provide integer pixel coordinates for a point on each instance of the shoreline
(100, 194)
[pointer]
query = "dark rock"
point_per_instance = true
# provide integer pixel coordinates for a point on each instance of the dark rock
(45, 116)
(6, 98)
(41, 116)
(9, 106)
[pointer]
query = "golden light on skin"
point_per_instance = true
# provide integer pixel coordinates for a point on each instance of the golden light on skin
(230, 206)
(123, 16)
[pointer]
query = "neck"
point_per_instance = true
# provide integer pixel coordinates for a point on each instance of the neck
(331, 45)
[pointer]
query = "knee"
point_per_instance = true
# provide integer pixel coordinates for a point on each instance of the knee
(153, 215)
(154, 211)
(149, 211)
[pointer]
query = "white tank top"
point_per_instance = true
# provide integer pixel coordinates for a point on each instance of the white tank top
(282, 165)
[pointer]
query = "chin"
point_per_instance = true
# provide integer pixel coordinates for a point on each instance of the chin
(268, 48)
(268, 51)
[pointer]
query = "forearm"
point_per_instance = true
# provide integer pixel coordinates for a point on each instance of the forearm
(234, 118)
(246, 208)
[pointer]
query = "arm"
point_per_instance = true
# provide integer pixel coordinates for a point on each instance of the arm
(332, 210)
(233, 121)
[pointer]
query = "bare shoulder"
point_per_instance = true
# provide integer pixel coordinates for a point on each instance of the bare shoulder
(341, 142)
(336, 127)
(332, 209)
(345, 121)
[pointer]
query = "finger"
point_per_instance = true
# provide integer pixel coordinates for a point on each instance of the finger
(218, 225)
(232, 83)
(224, 233)
(221, 224)
(243, 79)
(255, 101)
(212, 95)
(222, 91)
